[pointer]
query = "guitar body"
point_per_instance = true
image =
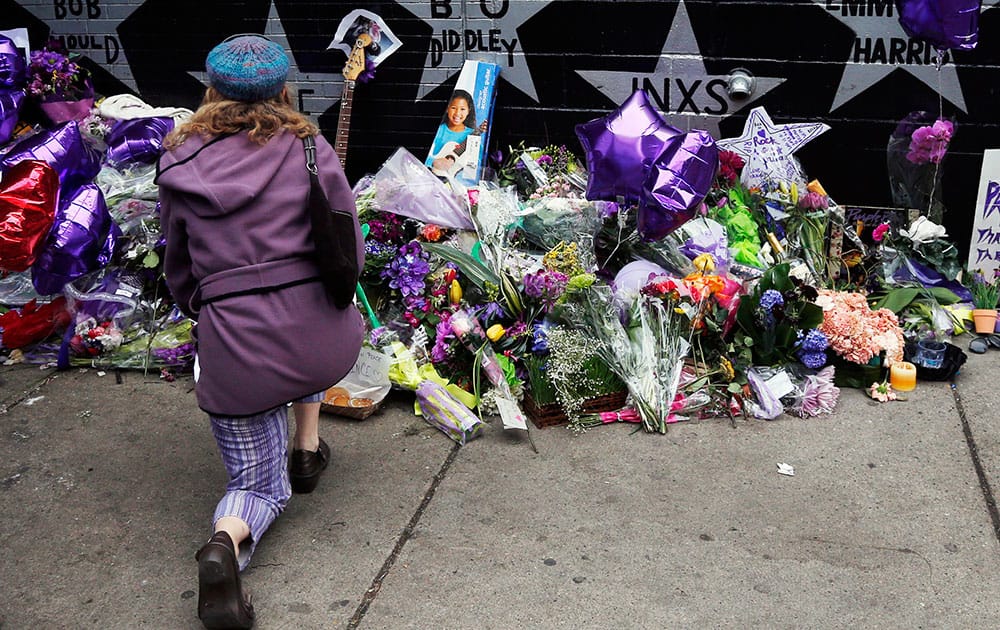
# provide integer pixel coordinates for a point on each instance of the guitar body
(459, 154)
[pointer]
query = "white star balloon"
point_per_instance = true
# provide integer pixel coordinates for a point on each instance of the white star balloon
(768, 148)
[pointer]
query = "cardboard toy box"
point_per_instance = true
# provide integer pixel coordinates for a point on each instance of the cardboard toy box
(462, 138)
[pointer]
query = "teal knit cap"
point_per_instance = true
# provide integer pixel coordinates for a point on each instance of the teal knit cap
(247, 67)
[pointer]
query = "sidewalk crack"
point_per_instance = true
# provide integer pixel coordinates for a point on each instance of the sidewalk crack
(984, 483)
(404, 536)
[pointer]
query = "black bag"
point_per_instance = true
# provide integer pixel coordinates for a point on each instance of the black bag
(334, 236)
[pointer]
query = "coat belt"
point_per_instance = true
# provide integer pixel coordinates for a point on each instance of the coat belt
(259, 278)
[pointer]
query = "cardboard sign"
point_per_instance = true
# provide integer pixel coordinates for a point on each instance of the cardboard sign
(459, 148)
(984, 246)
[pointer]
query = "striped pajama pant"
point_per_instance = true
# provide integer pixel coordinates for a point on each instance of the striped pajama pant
(255, 452)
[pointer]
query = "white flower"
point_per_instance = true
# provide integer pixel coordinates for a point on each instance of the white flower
(923, 230)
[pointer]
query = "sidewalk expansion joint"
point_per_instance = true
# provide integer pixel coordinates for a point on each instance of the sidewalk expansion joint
(984, 483)
(404, 536)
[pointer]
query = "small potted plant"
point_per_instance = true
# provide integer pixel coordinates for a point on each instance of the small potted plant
(61, 87)
(985, 294)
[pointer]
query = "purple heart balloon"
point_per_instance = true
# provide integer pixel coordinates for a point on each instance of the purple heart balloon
(83, 239)
(137, 141)
(10, 112)
(945, 24)
(13, 68)
(679, 180)
(620, 148)
(64, 149)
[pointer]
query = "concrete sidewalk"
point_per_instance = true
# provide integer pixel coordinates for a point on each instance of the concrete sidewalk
(107, 489)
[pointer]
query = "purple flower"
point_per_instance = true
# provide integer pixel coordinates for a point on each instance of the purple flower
(929, 143)
(491, 311)
(771, 299)
(814, 341)
(408, 269)
(545, 286)
(540, 337)
(443, 334)
(812, 360)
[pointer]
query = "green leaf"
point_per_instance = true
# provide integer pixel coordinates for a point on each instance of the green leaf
(471, 268)
(898, 299)
(151, 260)
(734, 388)
(944, 296)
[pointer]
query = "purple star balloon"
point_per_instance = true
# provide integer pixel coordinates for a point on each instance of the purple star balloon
(64, 149)
(10, 111)
(137, 141)
(945, 24)
(621, 147)
(678, 181)
(83, 239)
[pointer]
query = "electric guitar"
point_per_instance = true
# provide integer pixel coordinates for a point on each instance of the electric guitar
(461, 153)
(355, 66)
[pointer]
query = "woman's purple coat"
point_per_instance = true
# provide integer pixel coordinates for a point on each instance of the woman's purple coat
(234, 206)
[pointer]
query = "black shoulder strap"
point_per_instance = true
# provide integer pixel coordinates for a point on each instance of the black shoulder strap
(310, 145)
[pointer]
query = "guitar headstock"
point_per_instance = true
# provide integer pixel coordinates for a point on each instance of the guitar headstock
(356, 60)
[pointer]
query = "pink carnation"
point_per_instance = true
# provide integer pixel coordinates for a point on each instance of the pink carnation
(856, 332)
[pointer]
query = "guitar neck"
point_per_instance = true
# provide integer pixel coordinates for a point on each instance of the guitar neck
(344, 122)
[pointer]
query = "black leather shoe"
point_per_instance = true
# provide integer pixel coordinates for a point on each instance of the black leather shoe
(221, 603)
(305, 467)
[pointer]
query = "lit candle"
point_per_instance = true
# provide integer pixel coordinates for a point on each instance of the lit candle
(903, 376)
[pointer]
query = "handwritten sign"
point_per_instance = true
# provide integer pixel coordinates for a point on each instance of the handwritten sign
(984, 246)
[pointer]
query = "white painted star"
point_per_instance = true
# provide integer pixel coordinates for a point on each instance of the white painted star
(487, 32)
(324, 89)
(90, 29)
(768, 148)
(686, 95)
(882, 46)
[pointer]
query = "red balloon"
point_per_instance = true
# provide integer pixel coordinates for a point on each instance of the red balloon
(29, 195)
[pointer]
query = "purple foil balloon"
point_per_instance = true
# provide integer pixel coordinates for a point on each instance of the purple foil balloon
(13, 68)
(83, 239)
(621, 147)
(10, 111)
(64, 149)
(678, 181)
(137, 141)
(945, 24)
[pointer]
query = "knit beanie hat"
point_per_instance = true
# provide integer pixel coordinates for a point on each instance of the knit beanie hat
(247, 68)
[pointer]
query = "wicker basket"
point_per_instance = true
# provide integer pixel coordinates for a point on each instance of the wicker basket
(553, 414)
(356, 408)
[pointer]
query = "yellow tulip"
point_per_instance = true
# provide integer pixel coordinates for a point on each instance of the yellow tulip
(455, 292)
(495, 332)
(704, 263)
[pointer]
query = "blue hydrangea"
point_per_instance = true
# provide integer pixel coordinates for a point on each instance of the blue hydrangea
(813, 360)
(771, 299)
(814, 341)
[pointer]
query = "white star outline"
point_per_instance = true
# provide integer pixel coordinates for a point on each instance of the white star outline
(516, 13)
(859, 76)
(327, 86)
(99, 27)
(768, 148)
(680, 58)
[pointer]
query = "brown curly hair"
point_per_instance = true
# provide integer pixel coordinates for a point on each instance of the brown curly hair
(219, 115)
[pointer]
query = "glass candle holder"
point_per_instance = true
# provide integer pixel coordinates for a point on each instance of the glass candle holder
(930, 353)
(903, 376)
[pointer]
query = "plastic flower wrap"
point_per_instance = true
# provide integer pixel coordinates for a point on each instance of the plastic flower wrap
(915, 153)
(643, 346)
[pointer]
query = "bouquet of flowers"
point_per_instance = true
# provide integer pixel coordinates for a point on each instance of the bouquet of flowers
(61, 86)
(916, 150)
(855, 332)
(552, 171)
